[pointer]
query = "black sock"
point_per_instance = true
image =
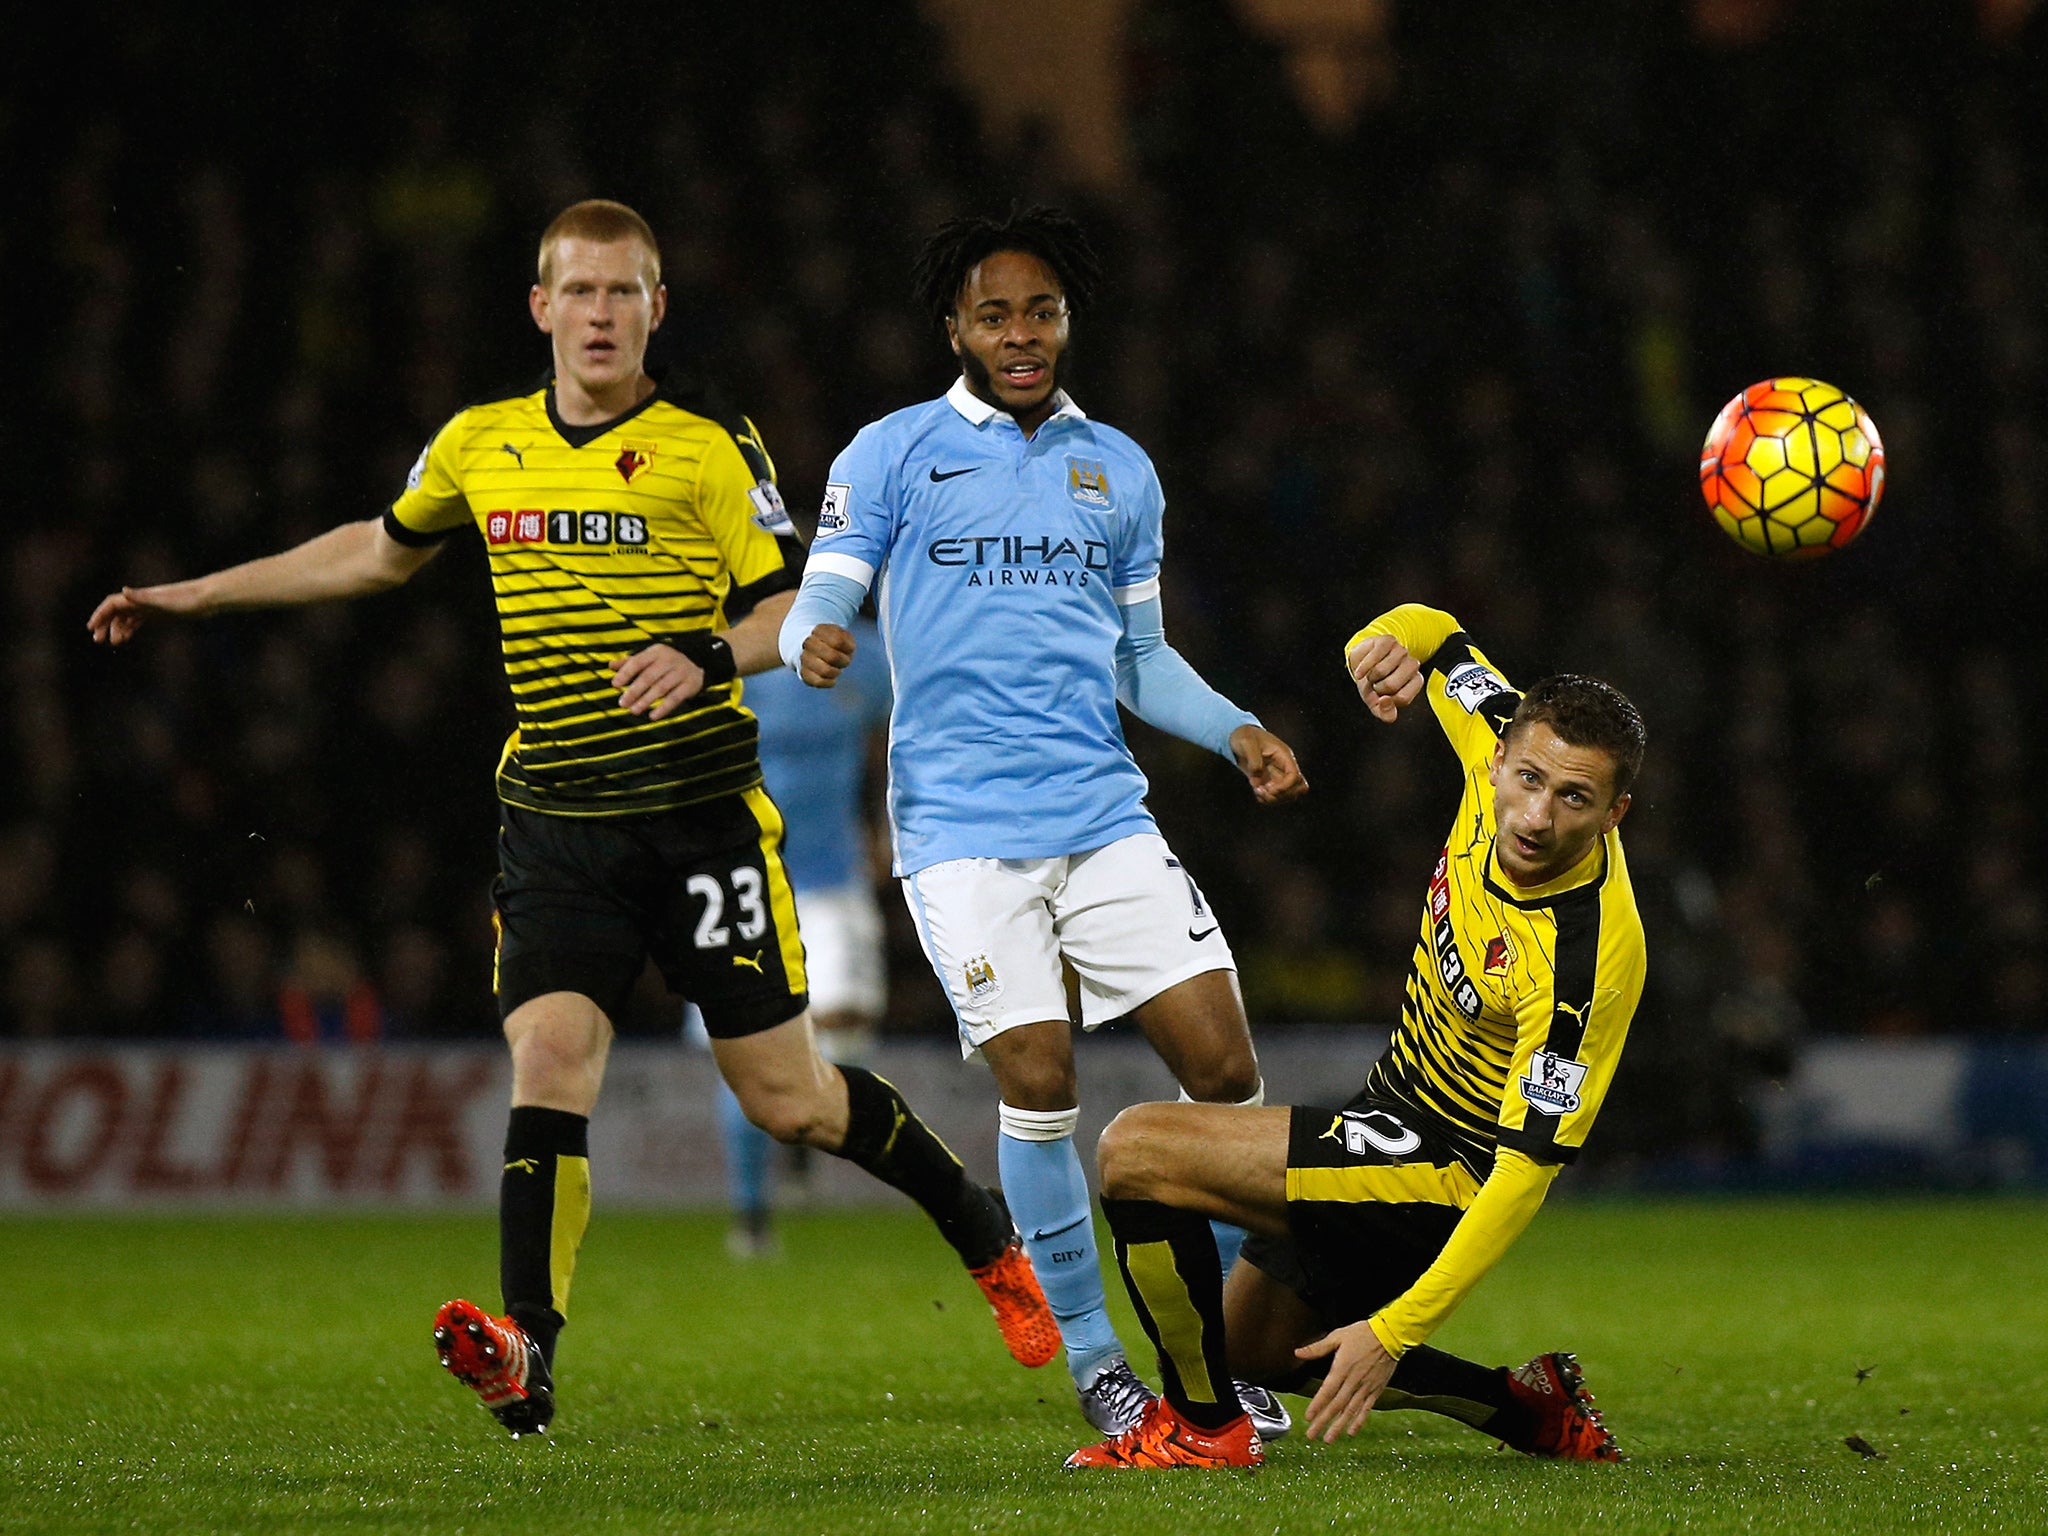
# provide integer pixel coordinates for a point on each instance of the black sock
(543, 1207)
(885, 1137)
(1434, 1382)
(1170, 1265)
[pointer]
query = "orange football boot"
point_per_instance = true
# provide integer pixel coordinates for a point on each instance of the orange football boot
(1026, 1322)
(1162, 1438)
(1568, 1426)
(495, 1358)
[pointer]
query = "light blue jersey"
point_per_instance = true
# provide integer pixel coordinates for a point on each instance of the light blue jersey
(814, 758)
(1007, 570)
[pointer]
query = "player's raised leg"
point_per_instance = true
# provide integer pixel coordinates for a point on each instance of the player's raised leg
(789, 1090)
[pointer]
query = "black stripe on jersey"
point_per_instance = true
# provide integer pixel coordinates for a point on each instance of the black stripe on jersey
(1578, 958)
(747, 438)
(412, 538)
(743, 600)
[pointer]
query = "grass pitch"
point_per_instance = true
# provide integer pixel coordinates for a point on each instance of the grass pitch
(229, 1374)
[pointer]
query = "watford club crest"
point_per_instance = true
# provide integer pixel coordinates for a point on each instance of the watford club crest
(633, 461)
(1498, 957)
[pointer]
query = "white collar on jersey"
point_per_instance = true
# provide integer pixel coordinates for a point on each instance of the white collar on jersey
(978, 410)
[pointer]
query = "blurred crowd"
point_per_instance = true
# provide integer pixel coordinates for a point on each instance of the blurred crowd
(1463, 355)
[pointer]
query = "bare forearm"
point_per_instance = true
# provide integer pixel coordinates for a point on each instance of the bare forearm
(353, 560)
(753, 639)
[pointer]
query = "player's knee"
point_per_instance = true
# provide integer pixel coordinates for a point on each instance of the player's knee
(1127, 1156)
(1230, 1079)
(554, 1056)
(788, 1115)
(1043, 1085)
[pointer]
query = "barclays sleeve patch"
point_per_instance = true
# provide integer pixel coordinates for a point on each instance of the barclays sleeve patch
(833, 515)
(419, 469)
(1472, 685)
(1552, 1083)
(770, 515)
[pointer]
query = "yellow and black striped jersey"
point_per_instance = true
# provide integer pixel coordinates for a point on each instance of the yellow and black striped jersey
(1518, 997)
(602, 540)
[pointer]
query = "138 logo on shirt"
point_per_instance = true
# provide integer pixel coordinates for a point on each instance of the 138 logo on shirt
(587, 530)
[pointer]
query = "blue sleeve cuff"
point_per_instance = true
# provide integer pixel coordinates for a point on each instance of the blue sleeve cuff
(824, 598)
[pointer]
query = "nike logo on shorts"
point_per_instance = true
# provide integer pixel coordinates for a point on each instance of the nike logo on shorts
(1198, 937)
(952, 474)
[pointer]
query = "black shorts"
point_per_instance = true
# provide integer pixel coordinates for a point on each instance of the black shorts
(584, 901)
(1373, 1193)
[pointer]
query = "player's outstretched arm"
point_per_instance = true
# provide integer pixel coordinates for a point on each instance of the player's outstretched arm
(1388, 678)
(350, 561)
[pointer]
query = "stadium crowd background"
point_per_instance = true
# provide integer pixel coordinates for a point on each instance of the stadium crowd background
(1463, 353)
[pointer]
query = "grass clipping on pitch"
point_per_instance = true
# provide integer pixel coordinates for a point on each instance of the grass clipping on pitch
(1854, 1367)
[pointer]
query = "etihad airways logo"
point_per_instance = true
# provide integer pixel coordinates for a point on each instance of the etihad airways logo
(1012, 560)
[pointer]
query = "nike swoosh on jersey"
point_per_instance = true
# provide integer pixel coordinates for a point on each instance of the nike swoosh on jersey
(952, 474)
(1198, 937)
(1041, 1236)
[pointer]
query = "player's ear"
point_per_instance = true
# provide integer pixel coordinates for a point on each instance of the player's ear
(660, 307)
(1615, 812)
(537, 306)
(1500, 755)
(953, 334)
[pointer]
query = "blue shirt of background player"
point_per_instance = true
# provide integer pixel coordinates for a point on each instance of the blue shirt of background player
(1002, 562)
(814, 759)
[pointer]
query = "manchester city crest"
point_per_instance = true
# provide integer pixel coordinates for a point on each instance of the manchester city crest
(1088, 484)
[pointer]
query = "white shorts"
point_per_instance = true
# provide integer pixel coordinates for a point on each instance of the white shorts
(842, 932)
(1128, 918)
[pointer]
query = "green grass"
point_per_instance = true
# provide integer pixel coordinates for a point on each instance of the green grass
(257, 1374)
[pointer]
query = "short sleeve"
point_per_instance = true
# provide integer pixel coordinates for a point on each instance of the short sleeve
(432, 505)
(732, 504)
(1141, 540)
(857, 520)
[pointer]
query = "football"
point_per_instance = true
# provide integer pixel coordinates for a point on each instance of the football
(1792, 468)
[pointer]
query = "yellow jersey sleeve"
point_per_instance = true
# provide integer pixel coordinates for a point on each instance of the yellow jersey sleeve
(733, 501)
(1505, 1204)
(1569, 1035)
(1472, 701)
(433, 504)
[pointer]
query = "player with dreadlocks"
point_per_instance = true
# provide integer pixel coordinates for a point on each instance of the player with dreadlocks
(1016, 542)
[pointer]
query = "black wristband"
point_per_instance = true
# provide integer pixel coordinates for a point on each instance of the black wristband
(709, 651)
